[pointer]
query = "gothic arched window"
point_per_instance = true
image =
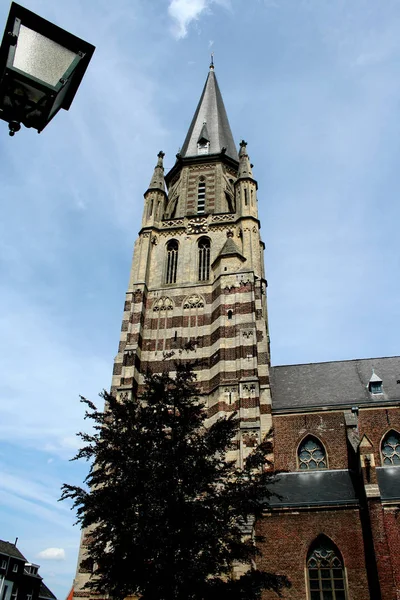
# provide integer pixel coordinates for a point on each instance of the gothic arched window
(391, 448)
(193, 318)
(201, 197)
(326, 579)
(311, 454)
(171, 262)
(204, 259)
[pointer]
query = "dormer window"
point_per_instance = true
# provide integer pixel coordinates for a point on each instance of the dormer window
(375, 387)
(203, 143)
(375, 384)
(203, 147)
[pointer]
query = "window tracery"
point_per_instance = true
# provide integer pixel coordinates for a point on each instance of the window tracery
(204, 247)
(194, 301)
(325, 572)
(391, 448)
(193, 317)
(163, 303)
(311, 454)
(171, 261)
(163, 308)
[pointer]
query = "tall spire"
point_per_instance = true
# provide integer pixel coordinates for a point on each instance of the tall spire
(157, 181)
(211, 113)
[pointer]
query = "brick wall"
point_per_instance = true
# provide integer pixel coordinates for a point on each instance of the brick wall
(329, 427)
(288, 536)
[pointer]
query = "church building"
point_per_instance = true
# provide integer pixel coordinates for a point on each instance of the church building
(198, 277)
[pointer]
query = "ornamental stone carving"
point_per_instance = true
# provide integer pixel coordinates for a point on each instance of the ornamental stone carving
(247, 334)
(163, 303)
(223, 217)
(124, 396)
(250, 439)
(194, 301)
(172, 223)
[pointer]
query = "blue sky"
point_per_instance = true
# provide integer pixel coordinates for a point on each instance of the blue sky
(313, 86)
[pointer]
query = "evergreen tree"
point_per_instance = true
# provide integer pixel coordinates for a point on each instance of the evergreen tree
(164, 509)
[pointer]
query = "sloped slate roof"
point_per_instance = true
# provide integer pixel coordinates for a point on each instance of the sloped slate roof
(11, 550)
(313, 488)
(333, 383)
(44, 592)
(229, 249)
(389, 482)
(211, 111)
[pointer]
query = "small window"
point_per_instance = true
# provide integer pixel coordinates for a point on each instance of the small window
(204, 259)
(325, 571)
(201, 197)
(15, 569)
(230, 314)
(3, 564)
(311, 454)
(171, 262)
(375, 387)
(391, 449)
(203, 147)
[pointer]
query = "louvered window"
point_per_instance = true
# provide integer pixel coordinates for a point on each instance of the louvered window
(201, 197)
(204, 259)
(172, 262)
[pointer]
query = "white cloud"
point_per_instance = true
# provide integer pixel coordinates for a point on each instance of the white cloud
(184, 12)
(52, 554)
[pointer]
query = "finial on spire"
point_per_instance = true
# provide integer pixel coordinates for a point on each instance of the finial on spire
(212, 62)
(157, 181)
(244, 162)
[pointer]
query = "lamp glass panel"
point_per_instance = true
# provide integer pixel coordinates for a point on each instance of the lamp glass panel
(40, 57)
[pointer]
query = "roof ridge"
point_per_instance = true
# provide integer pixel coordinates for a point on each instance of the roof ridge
(327, 362)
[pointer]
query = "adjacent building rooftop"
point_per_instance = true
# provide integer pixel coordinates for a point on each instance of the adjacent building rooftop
(329, 384)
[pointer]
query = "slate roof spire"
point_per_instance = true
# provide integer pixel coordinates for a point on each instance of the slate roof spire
(210, 116)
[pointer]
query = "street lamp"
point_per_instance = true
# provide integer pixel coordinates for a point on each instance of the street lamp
(41, 67)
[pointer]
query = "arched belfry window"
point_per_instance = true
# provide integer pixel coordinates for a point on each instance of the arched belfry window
(171, 261)
(204, 259)
(201, 196)
(391, 449)
(311, 454)
(326, 579)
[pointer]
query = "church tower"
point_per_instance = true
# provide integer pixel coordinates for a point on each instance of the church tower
(198, 276)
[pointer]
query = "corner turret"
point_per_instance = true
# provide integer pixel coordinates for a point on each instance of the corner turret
(155, 196)
(246, 185)
(244, 162)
